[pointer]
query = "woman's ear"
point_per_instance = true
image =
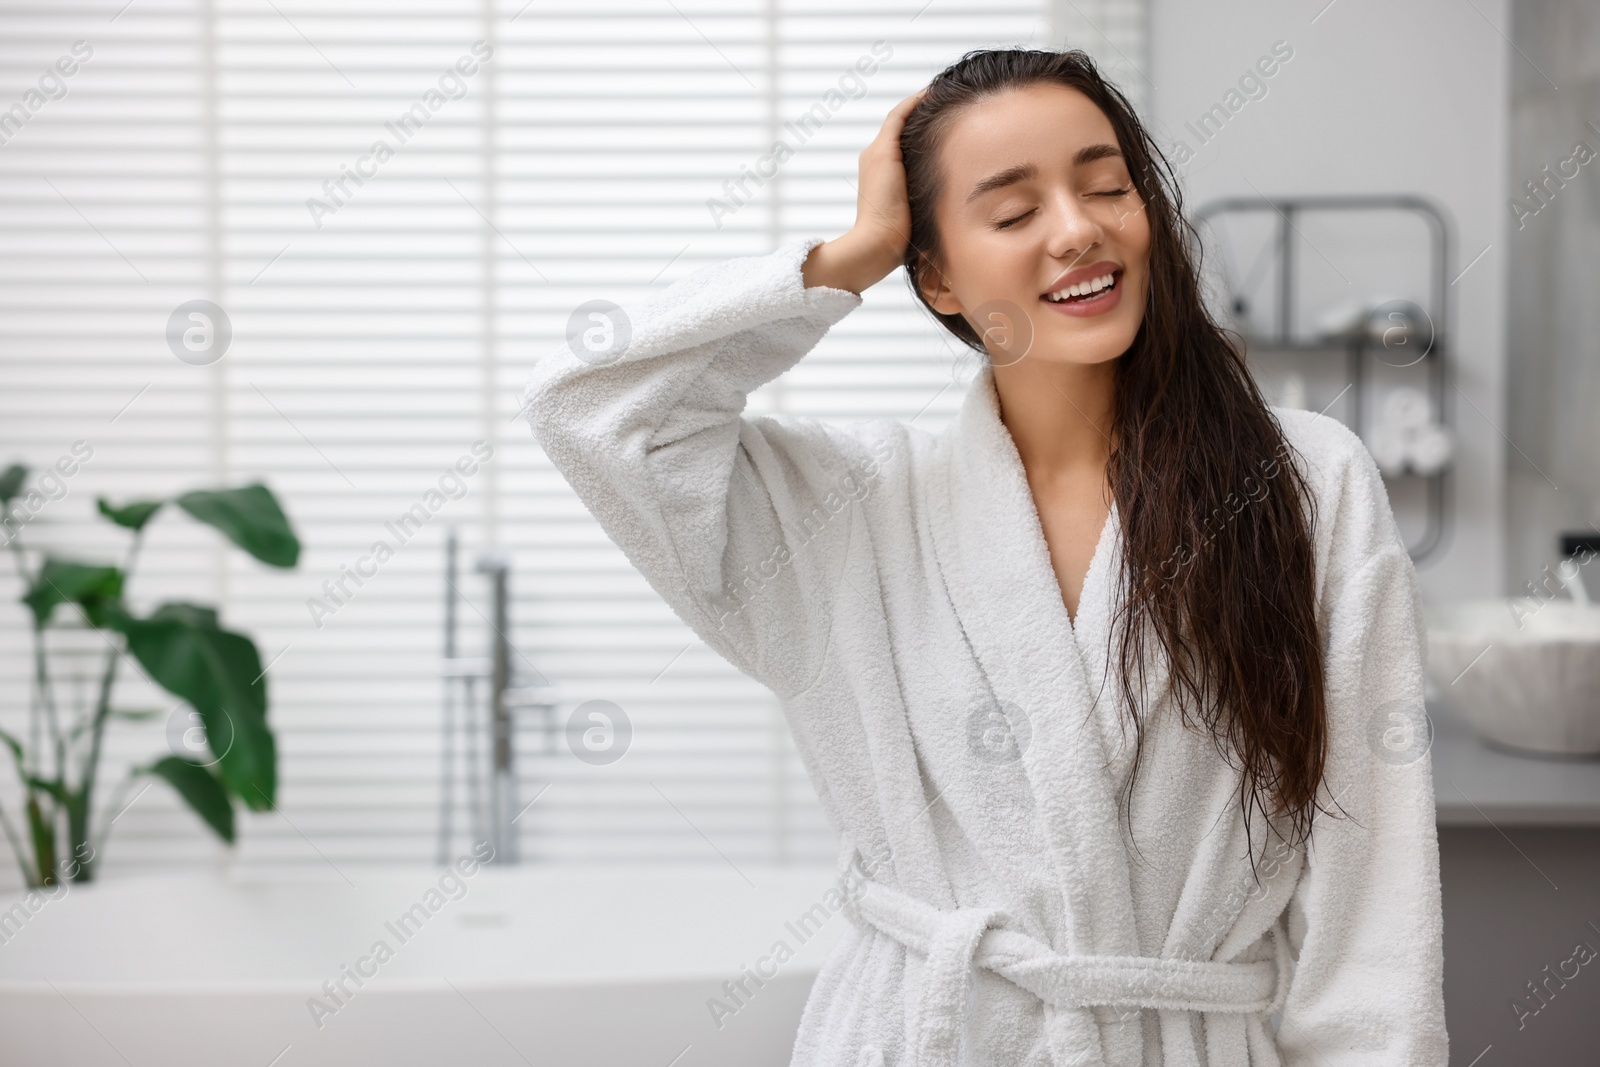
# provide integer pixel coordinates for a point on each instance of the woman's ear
(937, 290)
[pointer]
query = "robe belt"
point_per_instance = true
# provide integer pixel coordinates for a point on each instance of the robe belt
(953, 942)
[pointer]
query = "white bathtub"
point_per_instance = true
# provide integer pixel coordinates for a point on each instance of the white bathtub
(529, 965)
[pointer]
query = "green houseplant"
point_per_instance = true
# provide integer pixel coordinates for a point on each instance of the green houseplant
(182, 647)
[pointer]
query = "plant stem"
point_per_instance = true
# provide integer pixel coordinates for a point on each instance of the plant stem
(42, 699)
(16, 847)
(28, 873)
(41, 676)
(44, 840)
(116, 799)
(34, 701)
(83, 800)
(78, 811)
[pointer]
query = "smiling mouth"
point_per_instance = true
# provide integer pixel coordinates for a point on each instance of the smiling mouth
(1061, 296)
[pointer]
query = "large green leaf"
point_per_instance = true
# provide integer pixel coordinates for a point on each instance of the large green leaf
(219, 673)
(11, 482)
(134, 515)
(63, 582)
(193, 614)
(251, 518)
(201, 789)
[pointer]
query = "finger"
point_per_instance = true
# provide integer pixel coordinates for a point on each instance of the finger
(898, 114)
(895, 121)
(910, 102)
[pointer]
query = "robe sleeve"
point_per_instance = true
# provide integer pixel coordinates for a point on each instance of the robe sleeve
(730, 519)
(1365, 919)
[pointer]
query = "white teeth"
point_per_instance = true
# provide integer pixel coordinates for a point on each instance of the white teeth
(1094, 285)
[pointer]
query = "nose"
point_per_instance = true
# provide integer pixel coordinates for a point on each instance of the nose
(1073, 230)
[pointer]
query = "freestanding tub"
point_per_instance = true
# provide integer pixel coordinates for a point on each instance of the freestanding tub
(513, 966)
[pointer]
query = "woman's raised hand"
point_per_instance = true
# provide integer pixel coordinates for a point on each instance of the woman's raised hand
(876, 244)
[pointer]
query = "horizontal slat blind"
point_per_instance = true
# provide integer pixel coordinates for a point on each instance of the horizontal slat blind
(108, 224)
(383, 326)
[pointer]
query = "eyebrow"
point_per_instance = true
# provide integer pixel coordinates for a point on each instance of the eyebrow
(1027, 171)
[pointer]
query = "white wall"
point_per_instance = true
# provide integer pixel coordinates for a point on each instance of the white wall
(1377, 98)
(1552, 479)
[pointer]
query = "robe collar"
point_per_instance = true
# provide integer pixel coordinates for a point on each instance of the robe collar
(992, 554)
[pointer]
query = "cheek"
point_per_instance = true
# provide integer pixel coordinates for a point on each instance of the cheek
(1136, 250)
(983, 264)
(1135, 226)
(1137, 243)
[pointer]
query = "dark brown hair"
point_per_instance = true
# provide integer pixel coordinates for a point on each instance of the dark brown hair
(1218, 567)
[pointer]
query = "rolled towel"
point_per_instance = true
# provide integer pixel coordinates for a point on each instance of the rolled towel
(1431, 448)
(1407, 408)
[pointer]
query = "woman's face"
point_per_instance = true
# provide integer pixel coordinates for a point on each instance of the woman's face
(1034, 198)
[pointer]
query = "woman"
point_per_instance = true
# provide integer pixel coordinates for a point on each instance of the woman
(1115, 559)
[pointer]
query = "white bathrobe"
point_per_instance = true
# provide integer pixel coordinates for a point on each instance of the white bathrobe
(892, 586)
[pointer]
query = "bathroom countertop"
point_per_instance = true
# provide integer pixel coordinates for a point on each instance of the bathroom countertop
(1476, 785)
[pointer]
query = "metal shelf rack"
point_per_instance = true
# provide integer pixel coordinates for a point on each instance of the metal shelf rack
(1358, 347)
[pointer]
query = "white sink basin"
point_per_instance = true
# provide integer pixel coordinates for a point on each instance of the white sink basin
(1524, 672)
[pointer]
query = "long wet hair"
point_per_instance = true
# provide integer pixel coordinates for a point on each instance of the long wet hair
(1218, 568)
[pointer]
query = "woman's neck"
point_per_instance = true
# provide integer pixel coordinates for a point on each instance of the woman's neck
(1059, 415)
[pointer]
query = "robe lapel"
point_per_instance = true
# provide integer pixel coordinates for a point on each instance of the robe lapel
(1092, 632)
(992, 554)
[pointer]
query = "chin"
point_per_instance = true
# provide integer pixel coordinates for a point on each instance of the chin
(1083, 346)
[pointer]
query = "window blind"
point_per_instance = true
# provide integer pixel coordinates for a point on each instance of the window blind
(397, 207)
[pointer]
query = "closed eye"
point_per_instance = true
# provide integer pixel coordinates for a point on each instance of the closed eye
(1014, 220)
(1006, 223)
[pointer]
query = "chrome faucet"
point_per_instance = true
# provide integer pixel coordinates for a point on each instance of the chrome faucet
(492, 817)
(1576, 550)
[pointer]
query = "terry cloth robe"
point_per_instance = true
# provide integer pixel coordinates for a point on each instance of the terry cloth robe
(893, 588)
